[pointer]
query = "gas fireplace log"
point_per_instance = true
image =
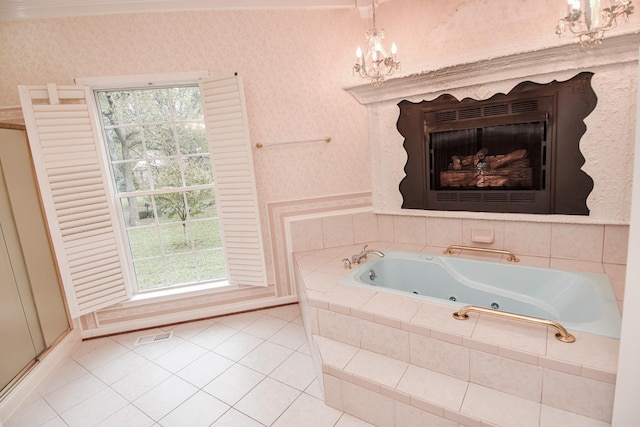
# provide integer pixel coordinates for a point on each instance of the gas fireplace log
(509, 158)
(459, 162)
(457, 165)
(510, 176)
(480, 155)
(456, 162)
(458, 178)
(492, 180)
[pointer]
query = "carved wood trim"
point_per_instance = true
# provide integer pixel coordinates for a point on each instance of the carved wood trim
(566, 186)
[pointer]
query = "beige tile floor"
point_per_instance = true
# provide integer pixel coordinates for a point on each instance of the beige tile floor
(243, 370)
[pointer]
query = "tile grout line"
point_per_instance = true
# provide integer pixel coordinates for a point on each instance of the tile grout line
(107, 382)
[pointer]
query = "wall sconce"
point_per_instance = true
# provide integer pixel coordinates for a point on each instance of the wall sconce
(587, 21)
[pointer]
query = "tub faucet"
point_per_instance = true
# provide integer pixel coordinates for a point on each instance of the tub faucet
(357, 259)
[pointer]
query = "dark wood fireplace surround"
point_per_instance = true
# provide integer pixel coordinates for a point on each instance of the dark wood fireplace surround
(550, 119)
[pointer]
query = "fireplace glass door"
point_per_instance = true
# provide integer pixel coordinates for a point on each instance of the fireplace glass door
(503, 157)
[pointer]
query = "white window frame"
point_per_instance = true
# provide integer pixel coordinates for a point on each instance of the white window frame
(120, 195)
(244, 257)
(230, 148)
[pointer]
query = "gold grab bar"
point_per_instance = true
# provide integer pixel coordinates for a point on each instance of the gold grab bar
(512, 256)
(561, 335)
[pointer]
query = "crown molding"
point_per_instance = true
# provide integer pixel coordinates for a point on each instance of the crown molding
(11, 10)
(501, 68)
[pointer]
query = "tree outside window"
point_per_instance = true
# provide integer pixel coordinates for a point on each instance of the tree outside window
(161, 171)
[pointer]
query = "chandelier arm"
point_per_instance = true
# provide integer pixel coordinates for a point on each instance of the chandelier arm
(578, 23)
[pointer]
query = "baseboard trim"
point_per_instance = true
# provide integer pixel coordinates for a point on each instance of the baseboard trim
(185, 316)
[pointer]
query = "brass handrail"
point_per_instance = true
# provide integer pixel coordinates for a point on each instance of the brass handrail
(561, 335)
(512, 256)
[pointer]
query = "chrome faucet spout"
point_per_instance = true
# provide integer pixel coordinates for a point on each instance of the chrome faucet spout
(380, 254)
(357, 259)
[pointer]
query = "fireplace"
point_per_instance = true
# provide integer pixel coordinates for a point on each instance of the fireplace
(516, 153)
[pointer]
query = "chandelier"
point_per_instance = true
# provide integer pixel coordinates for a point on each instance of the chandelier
(588, 21)
(376, 62)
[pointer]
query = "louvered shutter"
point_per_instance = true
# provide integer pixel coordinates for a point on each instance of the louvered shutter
(234, 179)
(71, 175)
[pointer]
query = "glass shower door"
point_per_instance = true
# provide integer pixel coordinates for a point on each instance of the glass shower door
(21, 339)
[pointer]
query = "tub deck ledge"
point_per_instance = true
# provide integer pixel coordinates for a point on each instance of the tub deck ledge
(371, 340)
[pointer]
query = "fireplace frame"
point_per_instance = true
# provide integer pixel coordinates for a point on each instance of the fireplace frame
(562, 105)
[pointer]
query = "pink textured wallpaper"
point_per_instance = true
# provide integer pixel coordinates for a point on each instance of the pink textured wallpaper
(294, 65)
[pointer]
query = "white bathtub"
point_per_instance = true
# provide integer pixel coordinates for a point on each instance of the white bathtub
(580, 301)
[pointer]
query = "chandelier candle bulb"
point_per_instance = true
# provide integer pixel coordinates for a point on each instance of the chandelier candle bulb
(591, 13)
(360, 61)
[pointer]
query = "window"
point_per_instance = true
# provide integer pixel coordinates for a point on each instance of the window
(161, 173)
(69, 158)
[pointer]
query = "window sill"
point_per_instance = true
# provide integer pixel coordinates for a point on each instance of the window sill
(172, 294)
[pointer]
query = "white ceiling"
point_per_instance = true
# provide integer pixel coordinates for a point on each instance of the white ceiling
(34, 9)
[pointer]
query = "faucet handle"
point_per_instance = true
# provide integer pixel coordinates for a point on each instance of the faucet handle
(355, 259)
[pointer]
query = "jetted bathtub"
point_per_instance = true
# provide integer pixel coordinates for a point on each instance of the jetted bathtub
(580, 301)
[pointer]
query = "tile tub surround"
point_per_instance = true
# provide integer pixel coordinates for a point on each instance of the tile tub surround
(541, 243)
(381, 355)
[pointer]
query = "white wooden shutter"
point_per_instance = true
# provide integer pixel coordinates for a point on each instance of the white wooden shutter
(234, 179)
(71, 175)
